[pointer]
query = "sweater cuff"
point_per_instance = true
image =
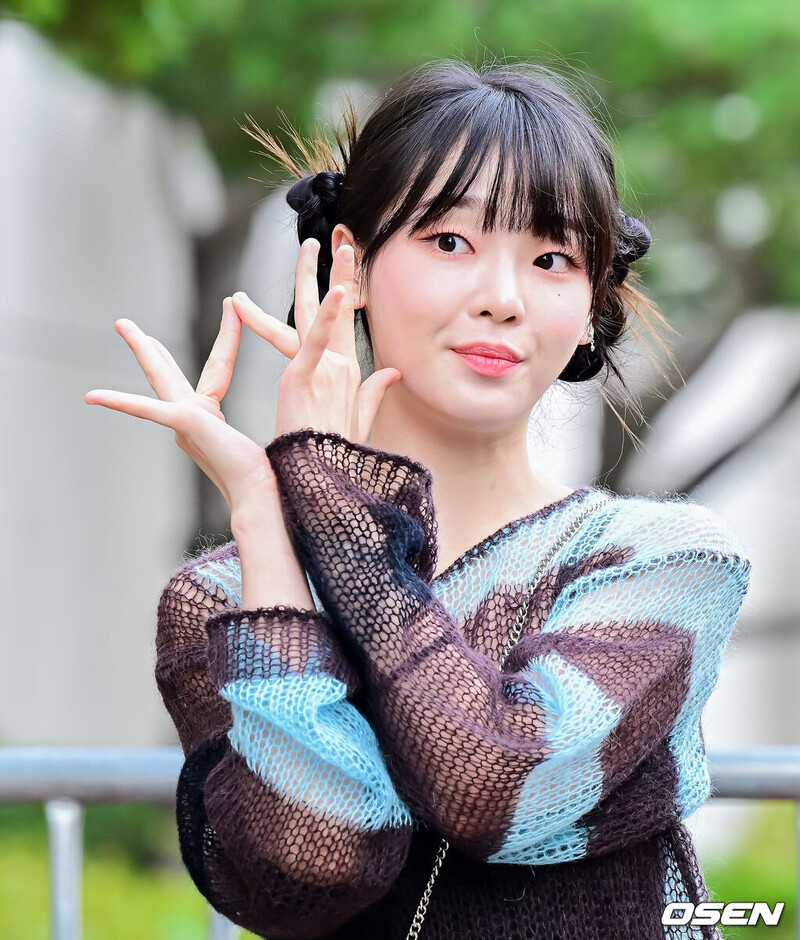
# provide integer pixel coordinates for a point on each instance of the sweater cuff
(275, 642)
(392, 478)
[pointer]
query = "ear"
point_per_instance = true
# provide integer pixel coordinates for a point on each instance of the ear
(341, 235)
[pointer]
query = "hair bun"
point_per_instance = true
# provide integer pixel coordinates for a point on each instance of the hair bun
(315, 199)
(327, 186)
(317, 191)
(300, 193)
(633, 242)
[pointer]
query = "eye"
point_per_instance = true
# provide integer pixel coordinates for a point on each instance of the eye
(556, 261)
(449, 242)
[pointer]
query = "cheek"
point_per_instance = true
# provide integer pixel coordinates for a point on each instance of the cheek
(417, 284)
(408, 300)
(567, 313)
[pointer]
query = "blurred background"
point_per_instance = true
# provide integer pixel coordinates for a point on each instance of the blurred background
(129, 189)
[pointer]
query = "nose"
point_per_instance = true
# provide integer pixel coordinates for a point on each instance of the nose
(500, 291)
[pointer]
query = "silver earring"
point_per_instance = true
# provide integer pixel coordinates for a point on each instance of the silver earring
(590, 334)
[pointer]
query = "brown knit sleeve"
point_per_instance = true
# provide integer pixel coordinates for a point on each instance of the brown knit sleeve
(199, 588)
(287, 820)
(530, 763)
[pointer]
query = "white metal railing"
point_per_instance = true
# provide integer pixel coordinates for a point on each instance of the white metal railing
(65, 779)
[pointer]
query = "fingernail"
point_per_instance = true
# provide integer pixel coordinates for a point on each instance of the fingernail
(240, 297)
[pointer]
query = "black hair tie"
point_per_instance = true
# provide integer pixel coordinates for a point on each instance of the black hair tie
(633, 242)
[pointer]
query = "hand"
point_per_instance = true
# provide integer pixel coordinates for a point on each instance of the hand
(237, 466)
(321, 387)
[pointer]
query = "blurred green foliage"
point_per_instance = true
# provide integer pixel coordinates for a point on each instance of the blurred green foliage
(695, 100)
(763, 869)
(134, 884)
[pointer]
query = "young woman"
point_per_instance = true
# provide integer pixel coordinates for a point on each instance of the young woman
(427, 690)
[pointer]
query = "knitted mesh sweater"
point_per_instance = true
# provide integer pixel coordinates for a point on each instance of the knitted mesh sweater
(328, 751)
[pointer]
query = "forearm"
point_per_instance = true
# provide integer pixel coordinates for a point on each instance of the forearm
(478, 751)
(271, 572)
(288, 824)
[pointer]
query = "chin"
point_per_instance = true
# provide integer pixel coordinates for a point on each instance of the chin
(484, 417)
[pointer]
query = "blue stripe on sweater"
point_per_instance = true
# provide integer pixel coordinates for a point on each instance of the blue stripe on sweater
(568, 782)
(224, 575)
(301, 736)
(726, 581)
(329, 754)
(709, 613)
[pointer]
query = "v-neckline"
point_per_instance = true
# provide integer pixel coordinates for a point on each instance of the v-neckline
(509, 527)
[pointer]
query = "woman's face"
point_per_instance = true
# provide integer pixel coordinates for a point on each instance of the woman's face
(453, 285)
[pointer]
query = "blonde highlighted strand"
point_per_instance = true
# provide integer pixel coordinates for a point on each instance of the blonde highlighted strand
(315, 155)
(639, 309)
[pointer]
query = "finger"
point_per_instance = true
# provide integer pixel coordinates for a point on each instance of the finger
(369, 399)
(280, 335)
(166, 380)
(343, 337)
(306, 289)
(217, 373)
(140, 406)
(168, 358)
(316, 341)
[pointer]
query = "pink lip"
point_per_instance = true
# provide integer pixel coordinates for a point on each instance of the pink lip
(495, 350)
(486, 365)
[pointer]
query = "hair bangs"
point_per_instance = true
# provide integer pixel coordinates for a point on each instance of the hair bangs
(541, 182)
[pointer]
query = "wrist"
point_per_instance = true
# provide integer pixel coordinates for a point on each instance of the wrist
(255, 510)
